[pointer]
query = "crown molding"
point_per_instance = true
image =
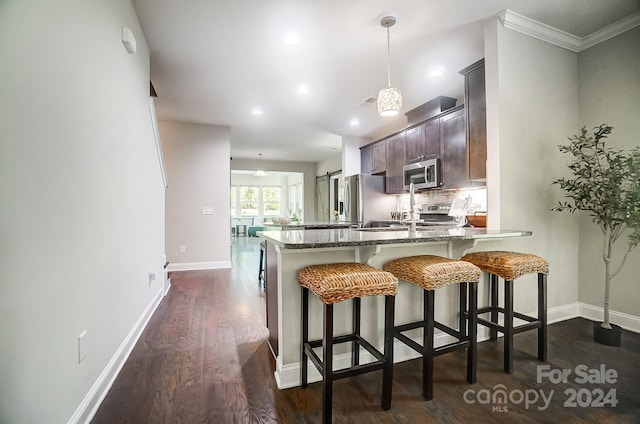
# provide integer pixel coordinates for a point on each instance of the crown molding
(611, 31)
(535, 29)
(551, 35)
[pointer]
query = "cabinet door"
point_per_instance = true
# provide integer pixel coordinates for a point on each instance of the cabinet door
(432, 138)
(414, 144)
(454, 149)
(477, 123)
(366, 159)
(379, 157)
(395, 162)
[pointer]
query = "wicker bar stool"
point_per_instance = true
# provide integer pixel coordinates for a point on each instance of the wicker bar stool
(333, 283)
(431, 273)
(509, 266)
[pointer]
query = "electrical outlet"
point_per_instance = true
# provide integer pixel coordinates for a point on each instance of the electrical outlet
(152, 276)
(82, 346)
(183, 248)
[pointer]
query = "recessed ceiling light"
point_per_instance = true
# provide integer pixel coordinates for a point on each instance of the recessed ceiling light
(303, 89)
(256, 111)
(292, 38)
(436, 71)
(354, 122)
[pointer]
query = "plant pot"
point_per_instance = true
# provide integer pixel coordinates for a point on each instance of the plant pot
(605, 336)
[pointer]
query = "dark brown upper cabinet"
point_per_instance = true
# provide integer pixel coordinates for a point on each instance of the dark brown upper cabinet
(476, 116)
(373, 158)
(454, 149)
(395, 161)
(423, 141)
(415, 147)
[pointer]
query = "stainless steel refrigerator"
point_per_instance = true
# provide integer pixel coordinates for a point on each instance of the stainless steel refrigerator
(361, 199)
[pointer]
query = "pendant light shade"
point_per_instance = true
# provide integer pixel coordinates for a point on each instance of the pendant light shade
(389, 99)
(260, 172)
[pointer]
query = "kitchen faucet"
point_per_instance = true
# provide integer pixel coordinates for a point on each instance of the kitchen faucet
(412, 205)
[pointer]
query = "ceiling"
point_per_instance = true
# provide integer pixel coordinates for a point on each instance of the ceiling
(213, 61)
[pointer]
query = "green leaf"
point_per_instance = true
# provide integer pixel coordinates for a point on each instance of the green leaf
(605, 182)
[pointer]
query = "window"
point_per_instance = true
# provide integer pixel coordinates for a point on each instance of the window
(271, 200)
(249, 200)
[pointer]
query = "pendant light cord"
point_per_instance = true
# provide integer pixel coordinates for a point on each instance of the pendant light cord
(388, 58)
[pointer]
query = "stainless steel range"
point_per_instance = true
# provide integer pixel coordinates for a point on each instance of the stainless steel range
(436, 214)
(430, 215)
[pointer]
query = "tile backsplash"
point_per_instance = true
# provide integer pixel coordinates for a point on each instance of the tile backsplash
(478, 198)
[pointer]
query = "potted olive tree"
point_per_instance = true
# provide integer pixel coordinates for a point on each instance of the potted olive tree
(605, 183)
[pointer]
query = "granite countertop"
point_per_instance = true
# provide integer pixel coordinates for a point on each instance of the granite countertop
(313, 225)
(342, 237)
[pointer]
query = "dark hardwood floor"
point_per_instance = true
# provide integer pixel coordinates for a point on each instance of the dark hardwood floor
(204, 358)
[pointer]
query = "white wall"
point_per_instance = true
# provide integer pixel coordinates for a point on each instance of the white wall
(82, 215)
(532, 88)
(609, 82)
(351, 154)
(197, 161)
(331, 164)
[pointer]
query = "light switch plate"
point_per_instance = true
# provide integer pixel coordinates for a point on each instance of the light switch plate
(207, 211)
(82, 346)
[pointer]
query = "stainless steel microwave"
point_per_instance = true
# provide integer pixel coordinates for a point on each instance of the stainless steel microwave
(424, 174)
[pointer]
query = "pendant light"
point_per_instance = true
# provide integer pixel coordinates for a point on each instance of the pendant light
(389, 99)
(260, 172)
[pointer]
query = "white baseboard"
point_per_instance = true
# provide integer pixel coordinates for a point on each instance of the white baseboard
(595, 313)
(195, 266)
(92, 400)
(561, 313)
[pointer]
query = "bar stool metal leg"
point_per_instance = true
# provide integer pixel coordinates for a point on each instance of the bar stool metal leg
(493, 287)
(472, 333)
(542, 316)
(508, 326)
(427, 349)
(355, 353)
(327, 363)
(387, 373)
(304, 334)
(462, 326)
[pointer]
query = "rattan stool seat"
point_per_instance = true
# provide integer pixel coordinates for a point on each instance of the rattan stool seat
(432, 272)
(334, 283)
(508, 265)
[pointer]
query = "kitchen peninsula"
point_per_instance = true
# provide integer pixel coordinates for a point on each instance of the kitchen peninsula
(290, 250)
